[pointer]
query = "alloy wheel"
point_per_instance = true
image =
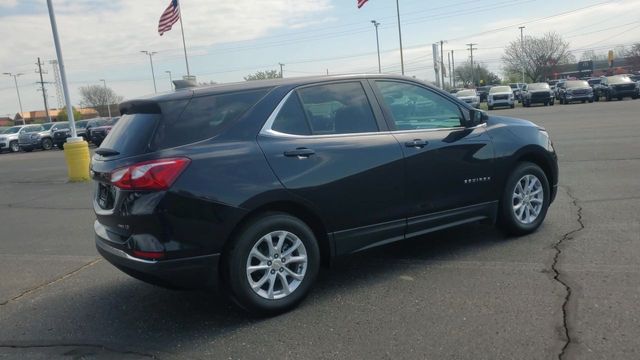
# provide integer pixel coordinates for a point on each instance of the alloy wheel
(15, 147)
(527, 199)
(276, 265)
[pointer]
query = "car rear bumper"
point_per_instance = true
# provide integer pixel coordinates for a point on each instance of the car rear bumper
(190, 272)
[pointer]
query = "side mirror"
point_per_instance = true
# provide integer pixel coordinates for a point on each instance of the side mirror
(476, 117)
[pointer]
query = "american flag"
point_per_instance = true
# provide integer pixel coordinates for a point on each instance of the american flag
(361, 3)
(170, 16)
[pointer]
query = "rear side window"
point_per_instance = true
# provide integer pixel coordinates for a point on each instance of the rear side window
(203, 118)
(291, 118)
(132, 133)
(339, 108)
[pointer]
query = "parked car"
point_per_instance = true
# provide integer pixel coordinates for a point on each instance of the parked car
(576, 90)
(9, 139)
(33, 137)
(517, 90)
(559, 87)
(99, 133)
(94, 123)
(470, 97)
(81, 129)
(596, 85)
(483, 91)
(60, 135)
(500, 96)
(537, 93)
(619, 87)
(256, 184)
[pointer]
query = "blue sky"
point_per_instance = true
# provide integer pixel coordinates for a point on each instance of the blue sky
(229, 39)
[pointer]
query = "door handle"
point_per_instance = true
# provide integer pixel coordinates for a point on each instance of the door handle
(300, 153)
(416, 143)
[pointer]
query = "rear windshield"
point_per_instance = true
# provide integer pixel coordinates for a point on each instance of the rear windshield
(466, 93)
(576, 84)
(202, 118)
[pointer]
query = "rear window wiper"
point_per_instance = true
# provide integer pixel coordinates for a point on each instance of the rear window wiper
(107, 152)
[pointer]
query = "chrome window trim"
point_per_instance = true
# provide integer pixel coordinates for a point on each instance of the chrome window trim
(268, 131)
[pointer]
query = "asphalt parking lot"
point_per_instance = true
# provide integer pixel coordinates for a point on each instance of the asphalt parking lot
(572, 289)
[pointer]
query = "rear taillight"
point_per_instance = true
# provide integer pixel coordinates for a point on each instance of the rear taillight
(150, 175)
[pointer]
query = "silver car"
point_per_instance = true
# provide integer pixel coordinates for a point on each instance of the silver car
(470, 96)
(9, 139)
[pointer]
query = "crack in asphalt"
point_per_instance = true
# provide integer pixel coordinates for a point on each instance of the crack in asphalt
(558, 276)
(74, 345)
(58, 279)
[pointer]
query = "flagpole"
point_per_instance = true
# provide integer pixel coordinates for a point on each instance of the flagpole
(184, 44)
(400, 37)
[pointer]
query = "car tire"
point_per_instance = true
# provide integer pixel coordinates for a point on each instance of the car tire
(61, 146)
(528, 187)
(608, 97)
(47, 144)
(620, 98)
(512, 106)
(14, 147)
(590, 101)
(263, 291)
(489, 107)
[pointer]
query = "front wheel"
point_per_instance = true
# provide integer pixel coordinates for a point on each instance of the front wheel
(47, 144)
(14, 147)
(272, 264)
(525, 199)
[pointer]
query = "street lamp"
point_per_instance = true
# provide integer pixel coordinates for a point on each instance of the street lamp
(522, 50)
(106, 96)
(151, 53)
(376, 24)
(170, 79)
(15, 80)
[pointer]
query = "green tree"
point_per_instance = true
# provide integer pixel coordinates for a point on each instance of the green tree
(481, 75)
(62, 115)
(262, 75)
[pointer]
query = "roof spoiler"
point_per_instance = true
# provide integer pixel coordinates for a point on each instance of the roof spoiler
(184, 84)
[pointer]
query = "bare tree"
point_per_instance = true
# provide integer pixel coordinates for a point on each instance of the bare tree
(633, 56)
(98, 97)
(538, 55)
(262, 75)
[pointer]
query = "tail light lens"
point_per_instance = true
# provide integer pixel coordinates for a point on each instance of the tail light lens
(150, 175)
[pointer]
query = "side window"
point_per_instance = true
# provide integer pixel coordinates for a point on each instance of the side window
(414, 107)
(291, 118)
(340, 108)
(203, 117)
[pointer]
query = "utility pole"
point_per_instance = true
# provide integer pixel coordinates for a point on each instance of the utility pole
(471, 48)
(453, 69)
(106, 96)
(376, 24)
(15, 80)
(436, 63)
(450, 74)
(153, 75)
(400, 37)
(56, 76)
(442, 62)
(170, 79)
(281, 72)
(522, 50)
(44, 91)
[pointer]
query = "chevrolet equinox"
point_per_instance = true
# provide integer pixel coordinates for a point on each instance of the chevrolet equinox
(253, 186)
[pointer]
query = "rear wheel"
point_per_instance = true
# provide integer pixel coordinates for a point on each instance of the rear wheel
(525, 199)
(490, 107)
(272, 264)
(620, 98)
(512, 106)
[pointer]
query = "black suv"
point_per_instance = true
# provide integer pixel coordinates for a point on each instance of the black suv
(619, 87)
(257, 184)
(537, 93)
(575, 90)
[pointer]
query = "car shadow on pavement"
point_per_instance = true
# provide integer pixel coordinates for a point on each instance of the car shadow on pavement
(124, 314)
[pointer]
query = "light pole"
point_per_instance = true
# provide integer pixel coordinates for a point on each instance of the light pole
(15, 80)
(153, 75)
(170, 79)
(106, 96)
(376, 24)
(522, 50)
(281, 72)
(400, 37)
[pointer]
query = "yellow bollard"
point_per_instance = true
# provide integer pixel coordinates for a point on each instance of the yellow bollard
(76, 153)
